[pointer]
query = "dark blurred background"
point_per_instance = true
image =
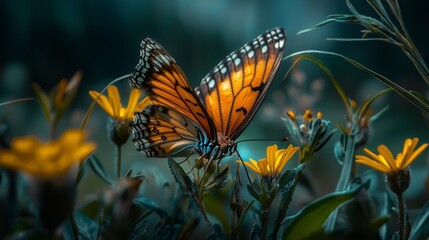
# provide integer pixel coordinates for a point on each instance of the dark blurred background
(45, 41)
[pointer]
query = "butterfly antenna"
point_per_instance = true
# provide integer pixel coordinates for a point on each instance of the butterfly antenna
(264, 140)
(245, 168)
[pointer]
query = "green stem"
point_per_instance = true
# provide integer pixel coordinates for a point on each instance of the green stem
(283, 209)
(118, 161)
(401, 217)
(203, 213)
(265, 216)
(345, 173)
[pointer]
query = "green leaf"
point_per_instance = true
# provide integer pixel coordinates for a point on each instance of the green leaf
(253, 192)
(145, 202)
(97, 167)
(182, 178)
(81, 172)
(91, 206)
(368, 101)
(420, 229)
(217, 183)
(87, 227)
(311, 218)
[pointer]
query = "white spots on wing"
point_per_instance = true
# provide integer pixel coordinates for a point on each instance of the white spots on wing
(223, 70)
(234, 55)
(156, 69)
(264, 48)
(237, 61)
(247, 47)
(279, 44)
(250, 54)
(281, 35)
(163, 58)
(211, 83)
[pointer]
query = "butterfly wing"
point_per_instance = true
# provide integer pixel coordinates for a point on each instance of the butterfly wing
(159, 132)
(158, 74)
(233, 91)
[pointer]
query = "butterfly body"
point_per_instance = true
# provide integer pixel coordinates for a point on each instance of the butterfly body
(209, 118)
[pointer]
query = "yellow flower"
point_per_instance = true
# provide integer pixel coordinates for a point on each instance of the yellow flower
(111, 103)
(274, 163)
(386, 163)
(45, 160)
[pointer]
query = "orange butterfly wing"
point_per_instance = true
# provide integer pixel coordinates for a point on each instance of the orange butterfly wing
(160, 132)
(158, 74)
(233, 91)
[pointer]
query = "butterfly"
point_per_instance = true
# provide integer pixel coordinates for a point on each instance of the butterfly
(209, 118)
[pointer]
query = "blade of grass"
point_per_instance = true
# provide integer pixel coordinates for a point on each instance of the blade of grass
(409, 96)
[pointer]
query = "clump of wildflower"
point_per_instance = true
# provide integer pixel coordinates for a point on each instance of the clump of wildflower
(398, 177)
(46, 160)
(271, 166)
(308, 131)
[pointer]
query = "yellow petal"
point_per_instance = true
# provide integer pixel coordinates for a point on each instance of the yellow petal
(9, 159)
(47, 154)
(132, 103)
(387, 157)
(251, 166)
(366, 161)
(263, 168)
(271, 156)
(291, 115)
(415, 154)
(307, 115)
(83, 152)
(115, 100)
(72, 137)
(103, 102)
(143, 104)
(290, 151)
(407, 150)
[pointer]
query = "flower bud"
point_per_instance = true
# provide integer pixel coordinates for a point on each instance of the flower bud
(118, 131)
(398, 181)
